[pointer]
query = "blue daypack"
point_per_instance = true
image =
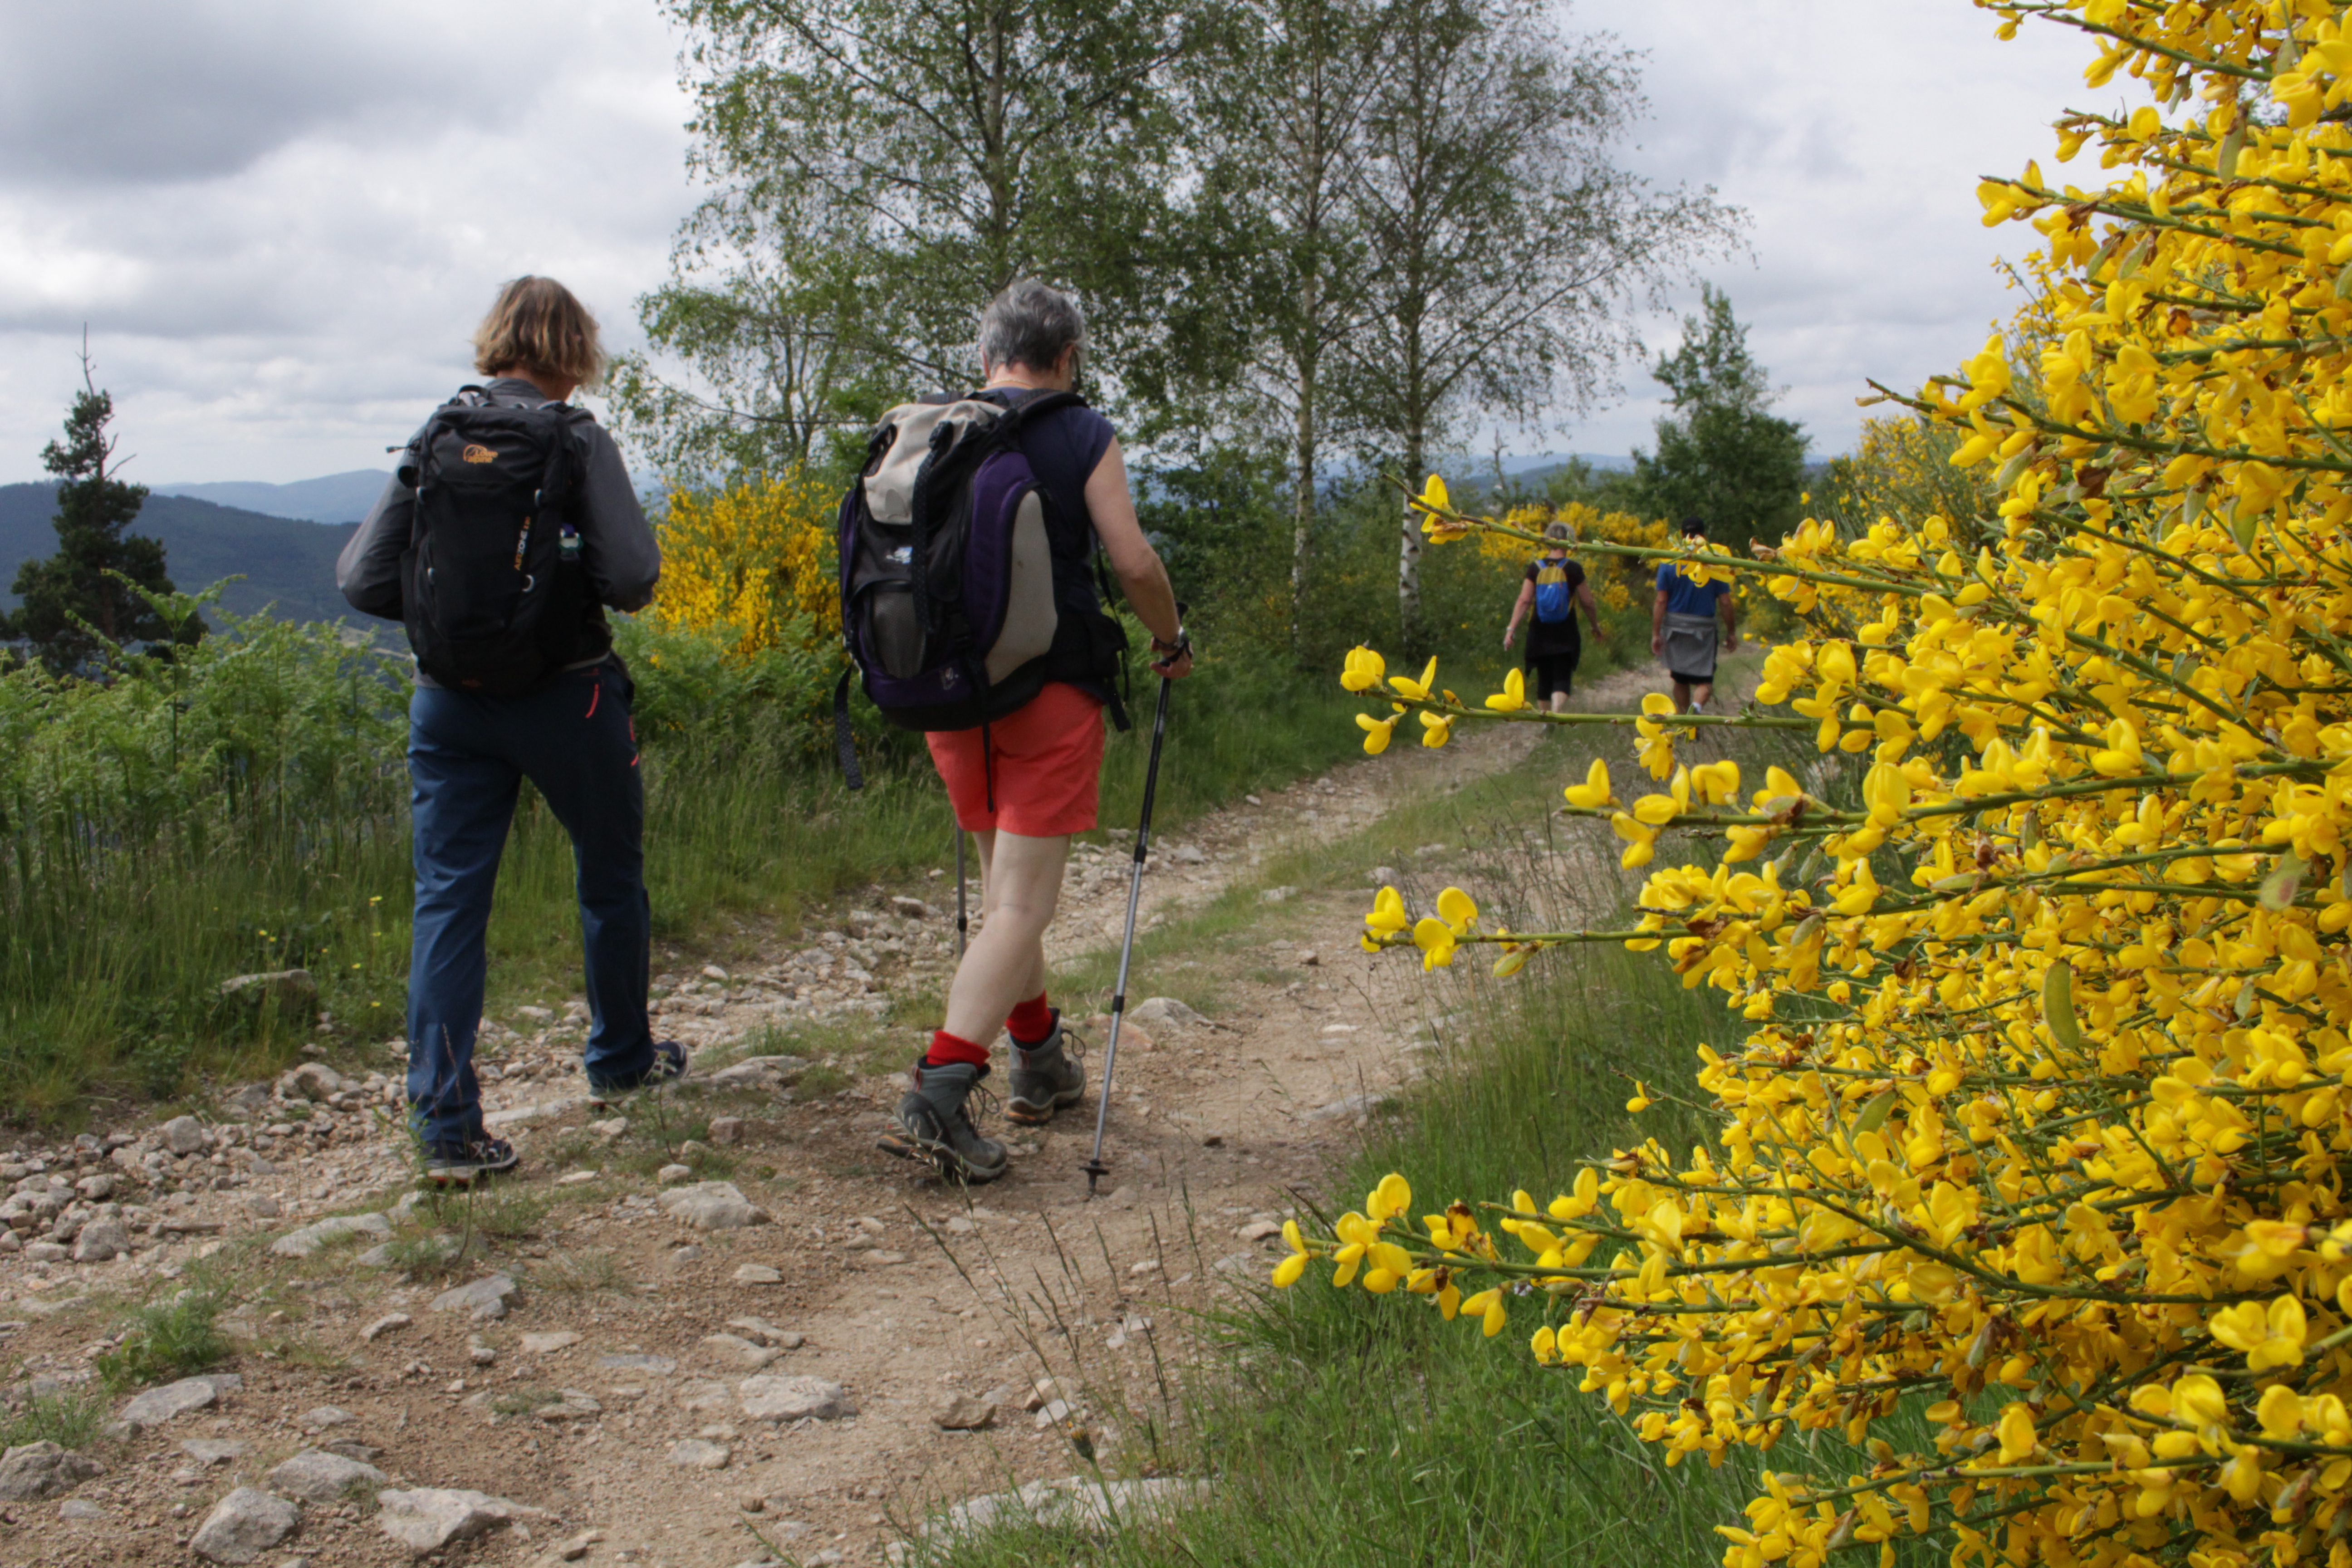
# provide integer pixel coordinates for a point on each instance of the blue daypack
(1553, 599)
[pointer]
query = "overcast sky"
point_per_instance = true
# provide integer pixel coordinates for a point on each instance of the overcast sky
(280, 219)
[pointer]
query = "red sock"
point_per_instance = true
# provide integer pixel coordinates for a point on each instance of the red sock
(1032, 1022)
(947, 1049)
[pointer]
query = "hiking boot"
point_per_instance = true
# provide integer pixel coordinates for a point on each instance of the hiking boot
(935, 1125)
(1047, 1077)
(462, 1167)
(669, 1064)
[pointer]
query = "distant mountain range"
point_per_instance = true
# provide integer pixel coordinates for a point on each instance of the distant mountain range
(285, 564)
(337, 497)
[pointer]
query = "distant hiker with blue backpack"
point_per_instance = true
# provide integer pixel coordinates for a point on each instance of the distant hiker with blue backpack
(1555, 590)
(508, 528)
(1684, 620)
(969, 614)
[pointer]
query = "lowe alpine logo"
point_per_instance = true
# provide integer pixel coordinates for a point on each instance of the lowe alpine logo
(476, 453)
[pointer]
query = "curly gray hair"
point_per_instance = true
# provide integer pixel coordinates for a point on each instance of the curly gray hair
(1030, 324)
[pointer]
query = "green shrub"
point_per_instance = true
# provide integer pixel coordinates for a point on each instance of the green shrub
(174, 1338)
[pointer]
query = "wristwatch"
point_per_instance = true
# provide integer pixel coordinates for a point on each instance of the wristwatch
(1172, 651)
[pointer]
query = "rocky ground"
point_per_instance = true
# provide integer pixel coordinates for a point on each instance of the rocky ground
(712, 1325)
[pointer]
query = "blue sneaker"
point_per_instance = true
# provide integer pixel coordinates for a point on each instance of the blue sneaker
(668, 1065)
(462, 1167)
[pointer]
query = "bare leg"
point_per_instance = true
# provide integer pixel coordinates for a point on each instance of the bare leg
(1559, 701)
(1682, 698)
(1021, 882)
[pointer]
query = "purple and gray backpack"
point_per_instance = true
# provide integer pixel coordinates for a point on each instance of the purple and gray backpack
(960, 597)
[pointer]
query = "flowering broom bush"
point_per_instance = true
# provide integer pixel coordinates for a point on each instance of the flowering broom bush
(755, 560)
(2029, 1182)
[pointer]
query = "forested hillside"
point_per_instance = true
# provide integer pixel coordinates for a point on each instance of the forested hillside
(284, 564)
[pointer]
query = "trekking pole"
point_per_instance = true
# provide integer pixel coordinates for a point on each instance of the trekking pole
(1095, 1168)
(963, 920)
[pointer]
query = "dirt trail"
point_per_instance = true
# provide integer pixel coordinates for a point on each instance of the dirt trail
(611, 1392)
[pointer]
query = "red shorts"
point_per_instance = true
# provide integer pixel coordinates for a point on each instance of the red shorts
(1047, 762)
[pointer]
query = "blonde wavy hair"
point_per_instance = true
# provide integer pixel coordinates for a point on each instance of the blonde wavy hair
(538, 325)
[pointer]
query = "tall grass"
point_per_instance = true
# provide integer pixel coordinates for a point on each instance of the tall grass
(1341, 1429)
(245, 809)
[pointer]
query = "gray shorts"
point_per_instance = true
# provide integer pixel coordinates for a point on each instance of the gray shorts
(1690, 648)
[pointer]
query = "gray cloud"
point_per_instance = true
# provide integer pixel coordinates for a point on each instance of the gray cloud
(1854, 132)
(285, 231)
(280, 220)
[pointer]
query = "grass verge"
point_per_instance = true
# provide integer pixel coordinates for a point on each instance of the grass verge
(1339, 1429)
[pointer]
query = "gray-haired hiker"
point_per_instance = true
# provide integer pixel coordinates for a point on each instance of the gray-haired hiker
(1021, 782)
(509, 526)
(1683, 621)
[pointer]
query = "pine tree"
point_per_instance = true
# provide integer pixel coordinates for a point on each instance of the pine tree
(1722, 454)
(81, 588)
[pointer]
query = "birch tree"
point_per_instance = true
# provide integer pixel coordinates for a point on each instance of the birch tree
(922, 156)
(1285, 103)
(1512, 250)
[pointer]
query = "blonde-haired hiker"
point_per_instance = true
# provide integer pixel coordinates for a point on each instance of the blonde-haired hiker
(1555, 590)
(508, 528)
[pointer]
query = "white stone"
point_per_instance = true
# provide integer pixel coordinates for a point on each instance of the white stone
(740, 1353)
(302, 1243)
(759, 1072)
(1163, 1011)
(245, 1525)
(385, 1325)
(671, 1175)
(1072, 1502)
(794, 1399)
(548, 1343)
(695, 1454)
(185, 1135)
(100, 1241)
(758, 1274)
(36, 1470)
(429, 1518)
(214, 1450)
(963, 1413)
(712, 1205)
(312, 1081)
(158, 1405)
(486, 1298)
(316, 1476)
(1349, 1108)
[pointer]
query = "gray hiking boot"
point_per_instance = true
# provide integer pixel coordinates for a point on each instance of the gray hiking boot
(1047, 1077)
(935, 1125)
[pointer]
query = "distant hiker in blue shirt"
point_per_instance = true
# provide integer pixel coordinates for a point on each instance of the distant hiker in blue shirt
(1682, 626)
(1555, 590)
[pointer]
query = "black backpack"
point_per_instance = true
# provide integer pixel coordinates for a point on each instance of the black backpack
(489, 600)
(962, 593)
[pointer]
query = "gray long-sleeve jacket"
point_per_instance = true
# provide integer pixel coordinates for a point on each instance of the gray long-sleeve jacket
(617, 544)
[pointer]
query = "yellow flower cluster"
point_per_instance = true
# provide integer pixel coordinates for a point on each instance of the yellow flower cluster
(1586, 524)
(2028, 1187)
(756, 559)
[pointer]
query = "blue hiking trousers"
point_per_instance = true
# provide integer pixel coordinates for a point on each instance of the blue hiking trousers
(467, 756)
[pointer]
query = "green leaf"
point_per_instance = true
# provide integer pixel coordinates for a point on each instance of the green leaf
(2058, 1005)
(1874, 1115)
